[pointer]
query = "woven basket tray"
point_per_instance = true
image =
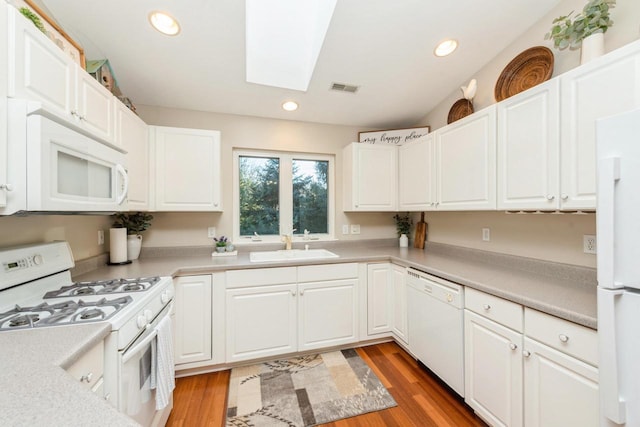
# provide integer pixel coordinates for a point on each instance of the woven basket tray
(528, 69)
(461, 108)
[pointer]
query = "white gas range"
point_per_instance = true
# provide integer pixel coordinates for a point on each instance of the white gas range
(36, 291)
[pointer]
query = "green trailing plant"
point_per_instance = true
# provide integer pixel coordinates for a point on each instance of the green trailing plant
(134, 222)
(403, 224)
(30, 15)
(568, 32)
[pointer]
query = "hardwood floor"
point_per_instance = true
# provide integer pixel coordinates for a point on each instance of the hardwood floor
(423, 401)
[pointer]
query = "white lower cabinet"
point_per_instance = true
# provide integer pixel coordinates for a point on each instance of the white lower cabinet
(380, 294)
(399, 291)
(261, 321)
(534, 370)
(89, 369)
(493, 370)
(192, 329)
(327, 314)
(274, 311)
(560, 390)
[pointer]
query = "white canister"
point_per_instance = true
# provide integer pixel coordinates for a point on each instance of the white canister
(404, 241)
(117, 245)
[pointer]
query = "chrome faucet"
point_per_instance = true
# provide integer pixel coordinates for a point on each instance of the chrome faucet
(287, 239)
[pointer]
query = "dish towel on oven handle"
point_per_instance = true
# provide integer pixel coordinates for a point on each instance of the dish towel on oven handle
(165, 372)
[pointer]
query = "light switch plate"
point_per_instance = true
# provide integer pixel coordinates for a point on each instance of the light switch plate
(355, 228)
(345, 228)
(211, 232)
(486, 234)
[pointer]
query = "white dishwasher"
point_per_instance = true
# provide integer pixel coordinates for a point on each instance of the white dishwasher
(435, 322)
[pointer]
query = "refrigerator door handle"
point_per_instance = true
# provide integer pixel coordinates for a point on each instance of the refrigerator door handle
(609, 174)
(612, 405)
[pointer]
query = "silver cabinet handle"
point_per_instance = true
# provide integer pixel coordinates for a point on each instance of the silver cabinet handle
(564, 197)
(550, 197)
(8, 187)
(563, 338)
(107, 396)
(293, 293)
(301, 293)
(513, 346)
(486, 307)
(86, 378)
(526, 353)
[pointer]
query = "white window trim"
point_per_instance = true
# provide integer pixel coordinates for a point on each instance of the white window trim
(286, 195)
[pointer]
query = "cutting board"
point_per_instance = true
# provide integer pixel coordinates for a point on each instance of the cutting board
(421, 233)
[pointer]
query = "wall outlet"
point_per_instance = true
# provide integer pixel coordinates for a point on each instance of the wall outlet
(211, 232)
(345, 228)
(589, 244)
(486, 234)
(101, 237)
(355, 228)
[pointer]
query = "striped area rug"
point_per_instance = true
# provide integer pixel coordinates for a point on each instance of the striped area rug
(304, 391)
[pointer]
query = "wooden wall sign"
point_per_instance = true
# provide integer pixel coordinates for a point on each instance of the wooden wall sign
(394, 136)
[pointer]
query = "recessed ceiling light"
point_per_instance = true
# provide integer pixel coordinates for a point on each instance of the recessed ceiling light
(164, 23)
(446, 47)
(290, 106)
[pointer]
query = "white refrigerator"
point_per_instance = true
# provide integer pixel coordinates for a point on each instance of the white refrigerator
(618, 237)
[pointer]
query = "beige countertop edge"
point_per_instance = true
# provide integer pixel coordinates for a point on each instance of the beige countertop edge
(37, 390)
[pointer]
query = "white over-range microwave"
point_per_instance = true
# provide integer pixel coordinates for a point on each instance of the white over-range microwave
(56, 166)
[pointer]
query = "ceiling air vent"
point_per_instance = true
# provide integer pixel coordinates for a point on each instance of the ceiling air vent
(340, 87)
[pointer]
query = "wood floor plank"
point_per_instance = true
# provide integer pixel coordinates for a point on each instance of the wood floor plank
(423, 400)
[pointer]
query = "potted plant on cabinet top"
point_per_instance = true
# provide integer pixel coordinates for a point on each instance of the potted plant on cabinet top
(135, 223)
(586, 30)
(403, 227)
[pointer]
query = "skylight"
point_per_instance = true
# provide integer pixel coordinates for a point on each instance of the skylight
(283, 40)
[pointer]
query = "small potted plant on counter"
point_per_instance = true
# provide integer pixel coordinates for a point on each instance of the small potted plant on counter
(221, 243)
(403, 227)
(135, 223)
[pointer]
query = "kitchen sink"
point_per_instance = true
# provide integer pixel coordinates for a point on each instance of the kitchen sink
(291, 255)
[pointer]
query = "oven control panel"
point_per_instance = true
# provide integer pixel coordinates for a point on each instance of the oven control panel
(23, 264)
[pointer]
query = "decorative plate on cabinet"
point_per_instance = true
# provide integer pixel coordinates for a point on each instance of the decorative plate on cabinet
(461, 108)
(528, 69)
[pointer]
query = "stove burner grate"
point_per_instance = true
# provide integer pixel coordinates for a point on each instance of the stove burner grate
(103, 287)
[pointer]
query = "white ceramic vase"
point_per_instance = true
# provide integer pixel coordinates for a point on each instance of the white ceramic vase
(134, 244)
(404, 241)
(592, 47)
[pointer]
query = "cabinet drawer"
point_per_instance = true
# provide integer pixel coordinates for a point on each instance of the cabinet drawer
(500, 310)
(261, 276)
(89, 367)
(570, 338)
(315, 273)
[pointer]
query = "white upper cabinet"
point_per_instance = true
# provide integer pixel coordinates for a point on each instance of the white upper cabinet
(4, 162)
(600, 88)
(38, 70)
(132, 134)
(416, 172)
(466, 163)
(94, 105)
(529, 149)
(370, 177)
(186, 169)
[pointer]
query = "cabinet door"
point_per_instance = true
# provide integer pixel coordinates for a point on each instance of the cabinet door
(328, 314)
(94, 105)
(261, 321)
(466, 162)
(4, 161)
(131, 133)
(187, 169)
(38, 69)
(379, 298)
(192, 331)
(399, 284)
(601, 88)
(493, 370)
(371, 177)
(529, 149)
(559, 389)
(416, 172)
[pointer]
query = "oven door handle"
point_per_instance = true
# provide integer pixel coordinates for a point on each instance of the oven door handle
(134, 350)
